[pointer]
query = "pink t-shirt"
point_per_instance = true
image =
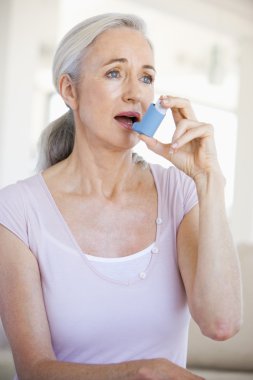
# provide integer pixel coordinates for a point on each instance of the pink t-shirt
(94, 318)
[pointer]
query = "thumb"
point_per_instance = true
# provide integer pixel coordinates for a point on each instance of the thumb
(156, 146)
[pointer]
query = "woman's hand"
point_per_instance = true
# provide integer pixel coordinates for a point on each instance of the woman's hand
(192, 149)
(162, 369)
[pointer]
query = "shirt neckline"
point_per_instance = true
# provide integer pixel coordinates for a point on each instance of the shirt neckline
(73, 239)
(131, 257)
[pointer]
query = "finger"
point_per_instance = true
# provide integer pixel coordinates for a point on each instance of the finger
(183, 126)
(181, 108)
(155, 145)
(203, 131)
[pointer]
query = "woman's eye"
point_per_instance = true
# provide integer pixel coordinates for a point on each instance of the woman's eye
(147, 79)
(113, 74)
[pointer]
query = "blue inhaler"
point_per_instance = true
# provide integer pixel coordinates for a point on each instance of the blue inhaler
(151, 120)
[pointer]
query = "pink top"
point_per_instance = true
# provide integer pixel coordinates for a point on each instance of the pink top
(93, 317)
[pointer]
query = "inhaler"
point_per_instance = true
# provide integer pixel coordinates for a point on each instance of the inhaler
(151, 119)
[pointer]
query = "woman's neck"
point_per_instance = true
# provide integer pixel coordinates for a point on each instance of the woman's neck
(102, 172)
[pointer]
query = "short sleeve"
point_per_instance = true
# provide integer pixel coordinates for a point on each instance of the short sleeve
(189, 192)
(12, 211)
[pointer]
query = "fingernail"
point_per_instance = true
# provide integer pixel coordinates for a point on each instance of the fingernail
(166, 98)
(174, 145)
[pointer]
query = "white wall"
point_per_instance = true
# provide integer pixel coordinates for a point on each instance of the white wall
(26, 27)
(5, 10)
(242, 215)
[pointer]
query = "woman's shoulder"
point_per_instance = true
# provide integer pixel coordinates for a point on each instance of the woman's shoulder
(175, 187)
(26, 182)
(170, 173)
(14, 206)
(16, 192)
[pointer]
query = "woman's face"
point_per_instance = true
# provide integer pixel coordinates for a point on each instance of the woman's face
(116, 87)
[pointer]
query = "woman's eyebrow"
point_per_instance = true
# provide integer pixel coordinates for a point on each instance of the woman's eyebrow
(149, 67)
(124, 60)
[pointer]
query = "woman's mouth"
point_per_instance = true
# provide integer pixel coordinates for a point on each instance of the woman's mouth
(126, 119)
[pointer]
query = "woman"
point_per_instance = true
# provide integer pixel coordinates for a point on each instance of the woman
(101, 255)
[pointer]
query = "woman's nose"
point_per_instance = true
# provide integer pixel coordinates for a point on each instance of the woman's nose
(132, 91)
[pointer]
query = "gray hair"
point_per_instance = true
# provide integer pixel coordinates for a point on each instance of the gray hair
(57, 140)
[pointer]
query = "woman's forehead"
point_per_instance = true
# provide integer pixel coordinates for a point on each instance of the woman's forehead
(119, 43)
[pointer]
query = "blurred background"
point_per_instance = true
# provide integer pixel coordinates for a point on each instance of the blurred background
(203, 49)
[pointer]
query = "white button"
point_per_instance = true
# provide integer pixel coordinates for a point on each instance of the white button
(159, 221)
(155, 249)
(143, 275)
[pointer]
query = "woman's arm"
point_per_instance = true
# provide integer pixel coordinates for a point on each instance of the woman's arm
(209, 266)
(25, 322)
(207, 257)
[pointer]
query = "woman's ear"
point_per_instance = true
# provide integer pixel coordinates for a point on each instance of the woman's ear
(68, 91)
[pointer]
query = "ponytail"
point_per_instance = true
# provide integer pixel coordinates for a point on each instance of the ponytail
(57, 141)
